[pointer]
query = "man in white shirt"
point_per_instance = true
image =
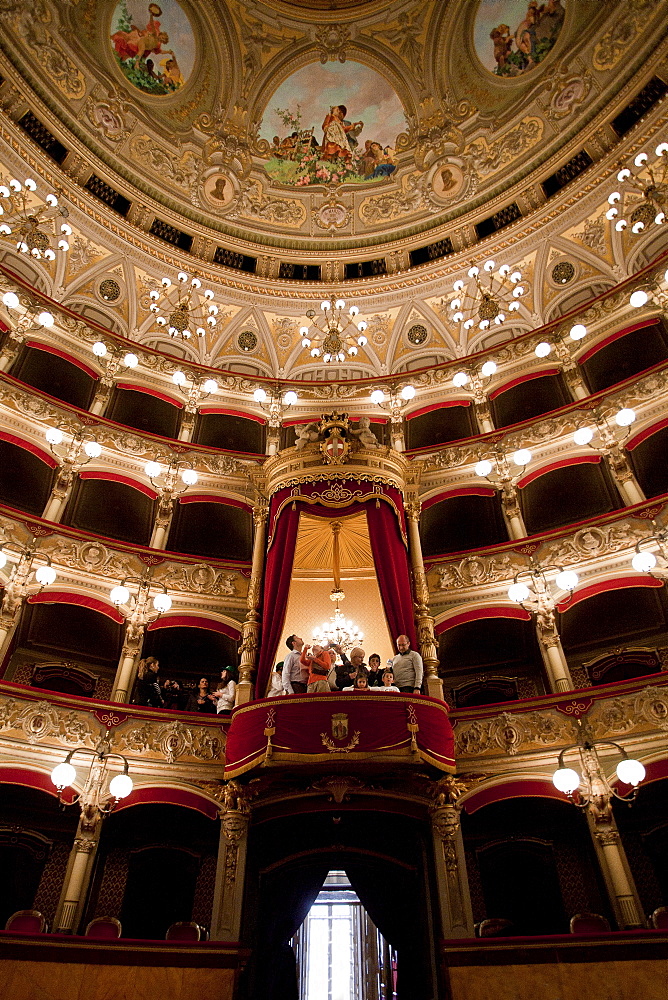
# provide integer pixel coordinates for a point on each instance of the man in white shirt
(294, 676)
(407, 667)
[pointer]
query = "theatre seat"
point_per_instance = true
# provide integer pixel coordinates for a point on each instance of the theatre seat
(659, 919)
(494, 927)
(589, 923)
(104, 927)
(185, 930)
(27, 922)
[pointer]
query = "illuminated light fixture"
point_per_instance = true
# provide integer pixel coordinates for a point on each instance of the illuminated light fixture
(120, 596)
(589, 788)
(492, 294)
(338, 631)
(543, 349)
(638, 298)
(10, 300)
(100, 793)
(72, 460)
(578, 331)
(183, 309)
(176, 468)
(645, 561)
(335, 335)
(36, 224)
(644, 192)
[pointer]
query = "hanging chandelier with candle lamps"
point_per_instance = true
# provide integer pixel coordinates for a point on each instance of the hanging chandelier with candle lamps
(36, 224)
(489, 298)
(338, 631)
(645, 193)
(334, 335)
(179, 308)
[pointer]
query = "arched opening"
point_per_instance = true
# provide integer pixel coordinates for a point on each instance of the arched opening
(529, 398)
(210, 529)
(55, 376)
(388, 867)
(25, 479)
(489, 660)
(459, 523)
(567, 495)
(66, 648)
(439, 425)
(531, 863)
(112, 509)
(144, 411)
(155, 866)
(188, 653)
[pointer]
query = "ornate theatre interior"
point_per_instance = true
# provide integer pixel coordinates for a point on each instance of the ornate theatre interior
(343, 320)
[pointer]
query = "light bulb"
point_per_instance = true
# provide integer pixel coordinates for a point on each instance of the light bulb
(455, 304)
(638, 298)
(614, 198)
(63, 775)
(45, 575)
(189, 477)
(483, 468)
(325, 305)
(195, 282)
(45, 319)
(473, 272)
(162, 603)
(489, 368)
(315, 352)
(661, 149)
(63, 245)
(408, 392)
(377, 396)
(290, 398)
(518, 290)
(630, 771)
(352, 350)
(522, 456)
(354, 311)
(567, 580)
(66, 229)
(643, 562)
(566, 780)
(3, 560)
(578, 331)
(640, 159)
(489, 265)
(54, 436)
(623, 174)
(306, 342)
(93, 449)
(152, 470)
(179, 378)
(10, 300)
(51, 200)
(99, 349)
(625, 417)
(460, 379)
(518, 592)
(340, 304)
(260, 395)
(49, 254)
(516, 276)
(210, 386)
(182, 277)
(130, 360)
(611, 214)
(208, 294)
(543, 349)
(303, 331)
(119, 595)
(120, 786)
(165, 282)
(362, 325)
(583, 435)
(458, 286)
(620, 226)
(30, 184)
(458, 317)
(15, 185)
(468, 324)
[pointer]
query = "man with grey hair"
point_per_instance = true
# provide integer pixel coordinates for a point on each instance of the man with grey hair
(407, 667)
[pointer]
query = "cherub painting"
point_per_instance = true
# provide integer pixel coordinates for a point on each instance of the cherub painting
(154, 50)
(508, 51)
(350, 101)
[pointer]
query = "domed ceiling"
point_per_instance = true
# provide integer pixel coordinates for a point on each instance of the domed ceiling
(303, 136)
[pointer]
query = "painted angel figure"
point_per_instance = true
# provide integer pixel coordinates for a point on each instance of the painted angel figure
(339, 139)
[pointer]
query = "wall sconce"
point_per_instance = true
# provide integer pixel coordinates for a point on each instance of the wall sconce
(593, 789)
(94, 801)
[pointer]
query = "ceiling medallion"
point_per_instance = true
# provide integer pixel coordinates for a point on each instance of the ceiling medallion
(110, 290)
(180, 309)
(417, 334)
(333, 336)
(563, 272)
(645, 193)
(247, 341)
(489, 298)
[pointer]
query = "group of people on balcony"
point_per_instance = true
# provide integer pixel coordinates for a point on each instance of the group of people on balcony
(320, 669)
(169, 694)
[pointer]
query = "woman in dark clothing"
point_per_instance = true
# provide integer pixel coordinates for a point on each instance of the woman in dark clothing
(200, 700)
(148, 687)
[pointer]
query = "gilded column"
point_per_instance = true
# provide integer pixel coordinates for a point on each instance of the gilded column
(102, 395)
(188, 421)
(250, 632)
(77, 878)
(512, 511)
(423, 620)
(450, 861)
(554, 658)
(60, 493)
(622, 473)
(231, 867)
(163, 519)
(10, 349)
(127, 666)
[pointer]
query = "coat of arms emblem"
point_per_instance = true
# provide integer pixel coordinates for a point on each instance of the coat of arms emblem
(335, 430)
(339, 726)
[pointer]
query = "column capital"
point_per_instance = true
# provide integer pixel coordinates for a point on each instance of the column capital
(413, 509)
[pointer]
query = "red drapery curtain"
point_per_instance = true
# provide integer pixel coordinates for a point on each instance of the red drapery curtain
(385, 520)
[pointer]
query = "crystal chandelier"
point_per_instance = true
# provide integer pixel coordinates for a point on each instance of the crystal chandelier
(35, 227)
(336, 335)
(492, 295)
(646, 193)
(179, 308)
(338, 631)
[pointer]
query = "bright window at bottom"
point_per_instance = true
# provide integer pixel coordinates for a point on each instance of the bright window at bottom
(340, 953)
